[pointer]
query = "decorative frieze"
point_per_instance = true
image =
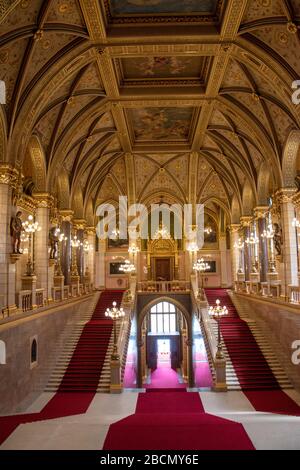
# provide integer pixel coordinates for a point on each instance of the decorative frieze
(285, 195)
(45, 200)
(66, 215)
(260, 212)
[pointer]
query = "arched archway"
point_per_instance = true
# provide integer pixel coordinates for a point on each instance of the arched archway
(291, 160)
(3, 143)
(141, 335)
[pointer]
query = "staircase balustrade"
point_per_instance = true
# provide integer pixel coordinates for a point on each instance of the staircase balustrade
(164, 286)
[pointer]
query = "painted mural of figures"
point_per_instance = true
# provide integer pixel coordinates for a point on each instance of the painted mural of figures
(278, 239)
(16, 229)
(53, 242)
(162, 6)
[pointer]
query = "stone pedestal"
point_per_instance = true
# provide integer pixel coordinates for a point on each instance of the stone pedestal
(29, 283)
(75, 285)
(220, 384)
(254, 277)
(241, 277)
(115, 376)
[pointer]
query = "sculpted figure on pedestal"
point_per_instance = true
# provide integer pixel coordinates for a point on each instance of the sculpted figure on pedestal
(278, 239)
(16, 229)
(53, 242)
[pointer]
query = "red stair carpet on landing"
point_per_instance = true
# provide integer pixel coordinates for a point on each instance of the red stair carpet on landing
(164, 377)
(81, 378)
(254, 374)
(175, 421)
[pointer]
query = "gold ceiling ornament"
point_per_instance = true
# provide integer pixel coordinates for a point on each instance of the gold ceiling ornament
(39, 34)
(292, 27)
(255, 96)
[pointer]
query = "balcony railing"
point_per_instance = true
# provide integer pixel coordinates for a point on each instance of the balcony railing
(164, 286)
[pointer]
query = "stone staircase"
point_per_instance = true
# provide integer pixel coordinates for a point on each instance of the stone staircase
(67, 344)
(256, 372)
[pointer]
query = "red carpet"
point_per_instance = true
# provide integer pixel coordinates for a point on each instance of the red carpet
(175, 421)
(80, 381)
(254, 374)
(164, 377)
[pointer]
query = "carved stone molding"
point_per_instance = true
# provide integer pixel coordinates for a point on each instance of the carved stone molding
(296, 199)
(90, 230)
(235, 228)
(27, 203)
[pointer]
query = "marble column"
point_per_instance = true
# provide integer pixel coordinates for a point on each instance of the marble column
(66, 228)
(246, 222)
(79, 226)
(296, 200)
(260, 215)
(41, 243)
(284, 198)
(8, 181)
(100, 265)
(223, 257)
(235, 252)
(90, 256)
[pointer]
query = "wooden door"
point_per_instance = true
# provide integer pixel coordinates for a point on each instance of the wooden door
(163, 269)
(174, 347)
(152, 352)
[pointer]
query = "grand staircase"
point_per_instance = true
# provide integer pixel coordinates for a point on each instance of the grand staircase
(251, 361)
(84, 363)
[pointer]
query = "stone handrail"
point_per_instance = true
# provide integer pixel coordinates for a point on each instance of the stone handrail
(25, 300)
(40, 297)
(164, 286)
(294, 294)
(201, 307)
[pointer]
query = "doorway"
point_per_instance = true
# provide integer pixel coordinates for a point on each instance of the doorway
(163, 269)
(163, 352)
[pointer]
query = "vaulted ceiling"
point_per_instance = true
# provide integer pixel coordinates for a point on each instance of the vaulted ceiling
(187, 99)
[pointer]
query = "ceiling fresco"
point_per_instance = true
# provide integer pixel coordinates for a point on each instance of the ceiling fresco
(163, 67)
(162, 124)
(155, 7)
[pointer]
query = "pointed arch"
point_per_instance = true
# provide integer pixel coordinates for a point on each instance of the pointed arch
(248, 199)
(63, 189)
(291, 154)
(38, 160)
(235, 210)
(263, 184)
(3, 138)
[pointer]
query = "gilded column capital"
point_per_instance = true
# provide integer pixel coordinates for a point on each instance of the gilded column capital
(285, 195)
(79, 224)
(260, 212)
(234, 228)
(27, 203)
(45, 200)
(9, 175)
(66, 215)
(90, 230)
(296, 199)
(246, 220)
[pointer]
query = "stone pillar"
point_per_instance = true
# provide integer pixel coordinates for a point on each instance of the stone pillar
(66, 228)
(297, 230)
(8, 181)
(223, 257)
(263, 256)
(79, 225)
(235, 252)
(100, 265)
(184, 366)
(90, 256)
(41, 243)
(246, 222)
(290, 255)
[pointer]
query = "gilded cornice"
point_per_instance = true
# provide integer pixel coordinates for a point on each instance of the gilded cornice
(246, 220)
(79, 224)
(27, 203)
(235, 228)
(66, 215)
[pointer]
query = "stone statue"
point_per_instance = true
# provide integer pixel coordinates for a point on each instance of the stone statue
(16, 229)
(297, 182)
(278, 239)
(53, 242)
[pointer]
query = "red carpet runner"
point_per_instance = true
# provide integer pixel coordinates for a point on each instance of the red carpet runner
(254, 374)
(80, 381)
(175, 421)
